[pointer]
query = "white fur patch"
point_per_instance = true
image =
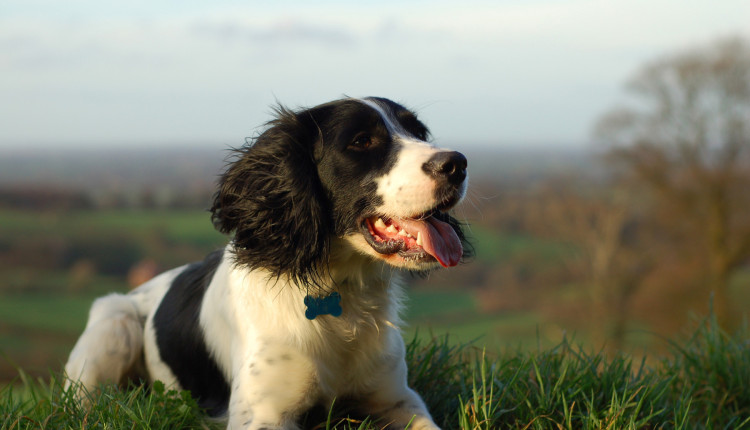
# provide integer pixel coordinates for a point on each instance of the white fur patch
(407, 190)
(109, 346)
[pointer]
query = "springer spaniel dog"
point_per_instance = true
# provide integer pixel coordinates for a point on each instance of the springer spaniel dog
(302, 307)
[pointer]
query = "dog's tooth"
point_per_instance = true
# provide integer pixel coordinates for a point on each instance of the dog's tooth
(403, 233)
(419, 238)
(380, 224)
(391, 229)
(409, 235)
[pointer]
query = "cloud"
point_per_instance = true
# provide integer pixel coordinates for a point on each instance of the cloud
(533, 69)
(283, 32)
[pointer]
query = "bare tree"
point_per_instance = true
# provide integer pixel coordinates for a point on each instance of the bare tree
(685, 139)
(611, 249)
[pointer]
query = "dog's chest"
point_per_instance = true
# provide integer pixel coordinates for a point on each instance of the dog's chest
(348, 360)
(346, 352)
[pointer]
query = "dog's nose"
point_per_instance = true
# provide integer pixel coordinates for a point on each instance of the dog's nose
(449, 165)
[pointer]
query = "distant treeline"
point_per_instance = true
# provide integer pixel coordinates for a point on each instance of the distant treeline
(49, 197)
(43, 198)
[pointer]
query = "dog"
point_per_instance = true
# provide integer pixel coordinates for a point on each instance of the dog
(327, 207)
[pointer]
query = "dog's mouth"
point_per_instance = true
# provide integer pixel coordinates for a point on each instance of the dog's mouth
(421, 238)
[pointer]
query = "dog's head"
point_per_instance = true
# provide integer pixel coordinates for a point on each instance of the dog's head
(358, 169)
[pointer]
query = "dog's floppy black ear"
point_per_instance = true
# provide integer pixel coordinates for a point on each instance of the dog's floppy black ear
(270, 197)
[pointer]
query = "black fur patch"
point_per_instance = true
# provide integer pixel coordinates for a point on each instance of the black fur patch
(300, 183)
(181, 340)
(271, 199)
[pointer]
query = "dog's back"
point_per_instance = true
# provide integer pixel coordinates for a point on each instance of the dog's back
(110, 350)
(111, 347)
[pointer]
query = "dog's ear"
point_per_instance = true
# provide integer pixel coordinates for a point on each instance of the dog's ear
(271, 198)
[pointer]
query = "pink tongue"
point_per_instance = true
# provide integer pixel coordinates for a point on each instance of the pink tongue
(438, 239)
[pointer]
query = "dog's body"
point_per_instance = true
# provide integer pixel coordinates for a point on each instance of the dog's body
(324, 203)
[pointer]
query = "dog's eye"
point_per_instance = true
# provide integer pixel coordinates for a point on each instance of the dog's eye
(362, 141)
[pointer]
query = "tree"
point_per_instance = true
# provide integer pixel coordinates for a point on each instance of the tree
(611, 253)
(685, 140)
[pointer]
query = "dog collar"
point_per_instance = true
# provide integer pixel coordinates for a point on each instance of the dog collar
(329, 305)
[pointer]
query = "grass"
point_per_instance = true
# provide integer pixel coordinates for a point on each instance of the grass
(46, 405)
(702, 384)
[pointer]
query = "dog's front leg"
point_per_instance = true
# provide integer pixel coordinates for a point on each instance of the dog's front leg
(409, 411)
(271, 387)
(397, 405)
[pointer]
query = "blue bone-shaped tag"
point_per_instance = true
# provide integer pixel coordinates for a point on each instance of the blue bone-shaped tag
(330, 305)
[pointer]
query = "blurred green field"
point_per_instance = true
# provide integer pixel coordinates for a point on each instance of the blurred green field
(456, 313)
(492, 246)
(54, 314)
(178, 226)
(44, 304)
(53, 265)
(39, 330)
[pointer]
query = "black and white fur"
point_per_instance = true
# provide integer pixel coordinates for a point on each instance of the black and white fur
(232, 329)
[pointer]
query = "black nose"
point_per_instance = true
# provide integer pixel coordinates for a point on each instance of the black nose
(449, 165)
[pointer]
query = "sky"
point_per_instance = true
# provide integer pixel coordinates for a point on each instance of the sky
(143, 73)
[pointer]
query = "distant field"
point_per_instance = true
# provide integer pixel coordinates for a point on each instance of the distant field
(492, 246)
(436, 313)
(54, 314)
(45, 303)
(42, 311)
(193, 227)
(44, 299)
(37, 331)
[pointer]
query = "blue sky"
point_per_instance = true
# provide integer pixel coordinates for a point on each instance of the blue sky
(508, 73)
